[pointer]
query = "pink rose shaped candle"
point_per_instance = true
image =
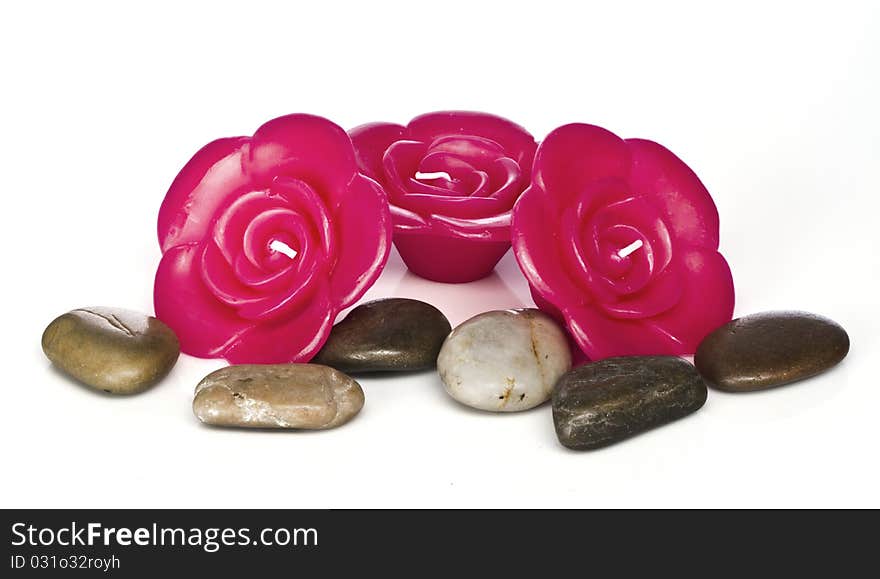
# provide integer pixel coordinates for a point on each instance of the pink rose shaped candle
(452, 179)
(265, 239)
(620, 238)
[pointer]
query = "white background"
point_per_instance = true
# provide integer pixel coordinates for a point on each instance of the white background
(773, 104)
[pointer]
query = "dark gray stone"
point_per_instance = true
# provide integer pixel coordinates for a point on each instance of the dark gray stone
(770, 349)
(394, 334)
(604, 402)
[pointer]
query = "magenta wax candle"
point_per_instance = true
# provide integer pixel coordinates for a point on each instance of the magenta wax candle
(619, 238)
(452, 179)
(265, 239)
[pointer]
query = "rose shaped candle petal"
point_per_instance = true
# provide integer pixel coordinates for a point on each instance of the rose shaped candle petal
(620, 239)
(265, 239)
(452, 179)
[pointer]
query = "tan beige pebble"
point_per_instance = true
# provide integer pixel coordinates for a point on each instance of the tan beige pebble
(305, 396)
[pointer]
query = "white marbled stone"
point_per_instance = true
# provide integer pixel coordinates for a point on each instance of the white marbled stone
(504, 361)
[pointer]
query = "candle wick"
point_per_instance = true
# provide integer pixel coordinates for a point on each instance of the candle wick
(434, 175)
(282, 247)
(630, 248)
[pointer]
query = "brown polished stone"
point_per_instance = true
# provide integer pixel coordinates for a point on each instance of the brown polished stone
(110, 349)
(394, 334)
(306, 396)
(770, 349)
(607, 401)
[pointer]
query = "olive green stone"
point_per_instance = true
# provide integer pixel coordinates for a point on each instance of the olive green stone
(770, 349)
(394, 334)
(307, 396)
(110, 349)
(604, 402)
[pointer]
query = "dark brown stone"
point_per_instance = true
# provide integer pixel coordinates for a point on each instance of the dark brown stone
(604, 402)
(394, 334)
(110, 349)
(770, 349)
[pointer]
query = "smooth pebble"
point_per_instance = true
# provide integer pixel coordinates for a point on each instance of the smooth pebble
(770, 349)
(394, 334)
(110, 349)
(607, 401)
(504, 361)
(305, 396)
